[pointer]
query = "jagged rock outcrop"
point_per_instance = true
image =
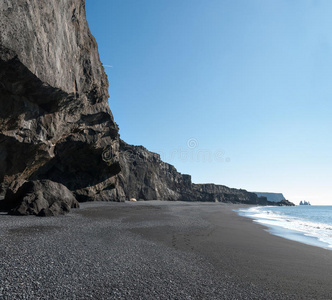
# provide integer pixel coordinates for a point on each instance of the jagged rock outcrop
(221, 193)
(284, 203)
(145, 177)
(42, 198)
(55, 122)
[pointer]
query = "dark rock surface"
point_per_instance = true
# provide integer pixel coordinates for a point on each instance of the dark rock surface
(274, 197)
(221, 193)
(145, 177)
(284, 203)
(42, 198)
(55, 122)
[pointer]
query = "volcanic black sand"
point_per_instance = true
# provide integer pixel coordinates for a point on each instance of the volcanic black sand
(156, 250)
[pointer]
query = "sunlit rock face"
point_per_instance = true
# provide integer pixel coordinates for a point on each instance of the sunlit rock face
(55, 122)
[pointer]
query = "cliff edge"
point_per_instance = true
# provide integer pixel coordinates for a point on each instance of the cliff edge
(273, 197)
(144, 176)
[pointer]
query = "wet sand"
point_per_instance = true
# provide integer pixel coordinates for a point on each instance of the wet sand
(156, 250)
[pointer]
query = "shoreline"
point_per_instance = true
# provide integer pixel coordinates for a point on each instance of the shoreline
(276, 262)
(157, 250)
(279, 225)
(249, 252)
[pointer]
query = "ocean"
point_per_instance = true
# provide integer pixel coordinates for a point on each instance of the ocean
(306, 224)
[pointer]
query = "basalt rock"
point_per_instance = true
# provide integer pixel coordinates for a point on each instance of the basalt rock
(221, 193)
(285, 203)
(55, 122)
(42, 198)
(274, 197)
(145, 176)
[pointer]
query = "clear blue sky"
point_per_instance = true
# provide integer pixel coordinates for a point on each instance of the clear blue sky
(234, 92)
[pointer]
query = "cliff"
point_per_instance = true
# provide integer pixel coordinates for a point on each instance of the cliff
(55, 122)
(221, 193)
(145, 177)
(273, 197)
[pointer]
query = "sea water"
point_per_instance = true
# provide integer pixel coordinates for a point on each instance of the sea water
(306, 224)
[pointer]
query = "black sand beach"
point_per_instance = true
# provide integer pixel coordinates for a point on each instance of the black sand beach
(156, 250)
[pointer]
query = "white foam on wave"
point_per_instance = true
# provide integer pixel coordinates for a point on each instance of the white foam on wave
(265, 216)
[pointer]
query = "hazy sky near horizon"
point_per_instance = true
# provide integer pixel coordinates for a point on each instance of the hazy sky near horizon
(234, 92)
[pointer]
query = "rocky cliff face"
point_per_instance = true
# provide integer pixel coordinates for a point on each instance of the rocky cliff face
(145, 177)
(221, 193)
(273, 197)
(55, 122)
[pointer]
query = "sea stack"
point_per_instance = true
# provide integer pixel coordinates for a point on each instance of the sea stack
(304, 203)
